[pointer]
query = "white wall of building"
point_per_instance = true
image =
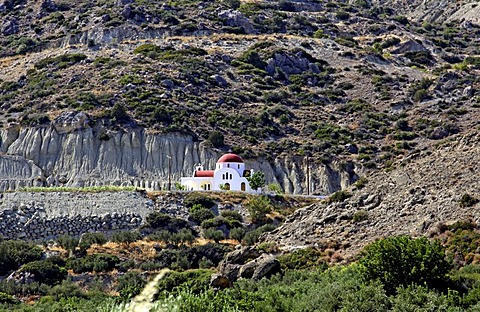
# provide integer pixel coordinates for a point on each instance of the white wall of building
(227, 173)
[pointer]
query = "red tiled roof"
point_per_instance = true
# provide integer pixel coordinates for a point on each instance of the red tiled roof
(204, 174)
(229, 158)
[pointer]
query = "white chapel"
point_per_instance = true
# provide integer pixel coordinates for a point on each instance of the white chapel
(229, 174)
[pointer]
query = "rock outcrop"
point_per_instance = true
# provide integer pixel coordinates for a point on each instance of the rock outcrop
(245, 262)
(72, 153)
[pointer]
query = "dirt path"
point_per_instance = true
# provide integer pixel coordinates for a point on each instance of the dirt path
(144, 301)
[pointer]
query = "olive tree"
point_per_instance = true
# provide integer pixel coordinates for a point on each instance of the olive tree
(402, 261)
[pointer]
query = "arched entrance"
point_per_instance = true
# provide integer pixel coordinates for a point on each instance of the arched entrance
(243, 186)
(227, 186)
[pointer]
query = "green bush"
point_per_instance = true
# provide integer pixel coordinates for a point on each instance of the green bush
(420, 57)
(198, 199)
(420, 95)
(402, 261)
(339, 196)
(45, 271)
(7, 299)
(119, 113)
(13, 288)
(68, 243)
(231, 215)
(253, 58)
(216, 138)
(468, 200)
(130, 284)
(183, 236)
(67, 289)
(221, 223)
(161, 221)
(333, 134)
(125, 237)
(198, 213)
(88, 239)
(256, 180)
(360, 215)
(93, 263)
(258, 207)
(195, 281)
(213, 234)
(174, 259)
(361, 183)
(61, 61)
(237, 234)
(251, 237)
(168, 53)
(15, 253)
(162, 236)
(56, 260)
(419, 298)
(307, 258)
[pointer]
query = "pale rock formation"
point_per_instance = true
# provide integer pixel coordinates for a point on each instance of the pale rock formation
(74, 154)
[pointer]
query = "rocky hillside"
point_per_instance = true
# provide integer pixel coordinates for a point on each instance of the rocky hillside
(418, 197)
(346, 87)
(435, 10)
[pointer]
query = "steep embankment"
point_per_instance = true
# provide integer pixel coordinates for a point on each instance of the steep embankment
(422, 192)
(57, 155)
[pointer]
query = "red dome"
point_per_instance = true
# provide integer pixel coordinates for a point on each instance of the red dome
(230, 158)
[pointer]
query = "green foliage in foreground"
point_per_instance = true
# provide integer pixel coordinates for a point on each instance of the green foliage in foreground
(341, 288)
(393, 274)
(336, 289)
(196, 281)
(402, 261)
(131, 284)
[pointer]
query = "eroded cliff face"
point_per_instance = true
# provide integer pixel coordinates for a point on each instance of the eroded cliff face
(93, 156)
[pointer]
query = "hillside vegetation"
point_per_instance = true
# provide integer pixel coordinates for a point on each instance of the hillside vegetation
(348, 80)
(386, 90)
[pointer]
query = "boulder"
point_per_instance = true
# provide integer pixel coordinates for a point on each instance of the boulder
(236, 18)
(167, 83)
(124, 2)
(219, 281)
(70, 121)
(127, 11)
(10, 27)
(106, 18)
(439, 133)
(468, 92)
(409, 46)
(290, 64)
(48, 6)
(230, 271)
(242, 255)
(247, 262)
(220, 80)
(266, 266)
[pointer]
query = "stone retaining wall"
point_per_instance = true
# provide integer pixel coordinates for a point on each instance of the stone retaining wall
(46, 215)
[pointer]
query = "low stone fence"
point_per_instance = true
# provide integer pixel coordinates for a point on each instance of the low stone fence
(46, 215)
